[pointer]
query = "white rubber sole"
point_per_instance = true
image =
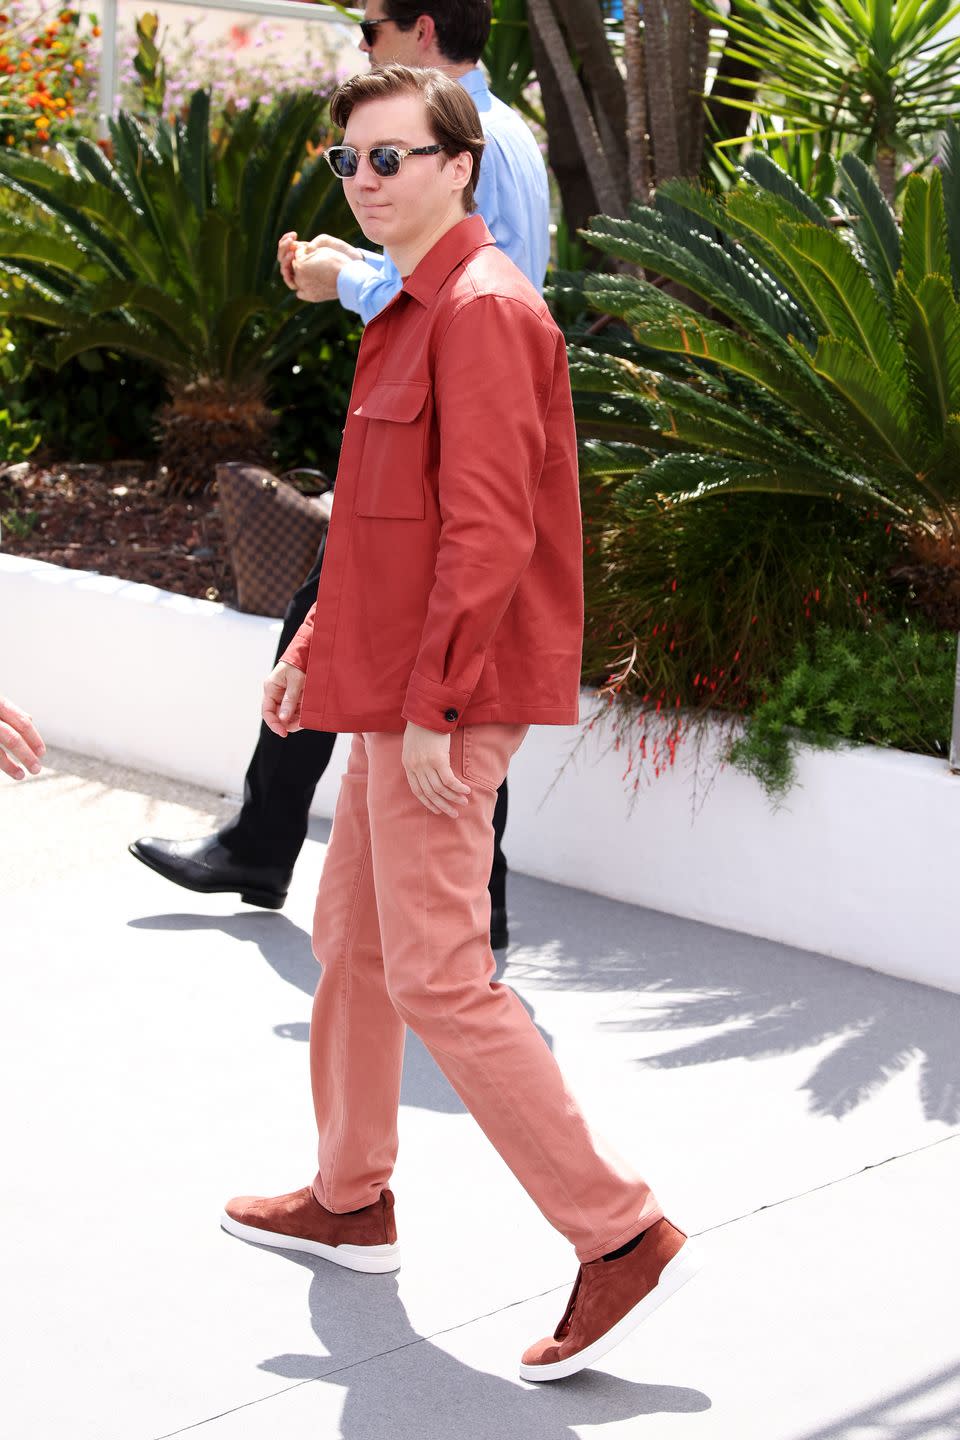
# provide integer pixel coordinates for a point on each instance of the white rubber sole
(675, 1274)
(371, 1259)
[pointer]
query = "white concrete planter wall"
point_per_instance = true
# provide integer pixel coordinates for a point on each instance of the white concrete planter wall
(862, 863)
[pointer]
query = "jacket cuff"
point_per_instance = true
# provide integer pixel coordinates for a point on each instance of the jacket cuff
(435, 707)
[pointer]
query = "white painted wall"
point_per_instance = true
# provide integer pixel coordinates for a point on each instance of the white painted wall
(134, 674)
(861, 864)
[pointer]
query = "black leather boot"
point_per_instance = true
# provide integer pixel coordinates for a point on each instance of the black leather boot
(209, 867)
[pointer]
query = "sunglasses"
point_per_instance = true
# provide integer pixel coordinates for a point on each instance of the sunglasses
(385, 160)
(369, 29)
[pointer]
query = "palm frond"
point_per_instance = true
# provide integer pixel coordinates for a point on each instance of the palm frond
(929, 324)
(840, 289)
(876, 232)
(880, 408)
(950, 173)
(770, 177)
(924, 246)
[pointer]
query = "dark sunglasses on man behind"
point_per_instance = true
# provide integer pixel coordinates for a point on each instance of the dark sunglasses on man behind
(369, 29)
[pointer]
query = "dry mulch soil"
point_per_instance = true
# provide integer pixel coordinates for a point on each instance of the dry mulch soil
(114, 519)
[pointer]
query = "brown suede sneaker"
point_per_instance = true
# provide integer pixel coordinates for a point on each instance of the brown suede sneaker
(363, 1240)
(609, 1299)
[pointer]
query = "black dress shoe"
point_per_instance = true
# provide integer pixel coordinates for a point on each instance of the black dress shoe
(499, 934)
(206, 865)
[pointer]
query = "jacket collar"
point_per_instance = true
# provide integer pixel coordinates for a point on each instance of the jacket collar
(469, 235)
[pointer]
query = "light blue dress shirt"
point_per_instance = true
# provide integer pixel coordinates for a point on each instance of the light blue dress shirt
(512, 196)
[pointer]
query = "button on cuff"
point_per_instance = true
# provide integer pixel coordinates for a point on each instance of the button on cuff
(451, 715)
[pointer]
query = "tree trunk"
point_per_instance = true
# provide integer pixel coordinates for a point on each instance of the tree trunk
(699, 59)
(587, 136)
(582, 20)
(205, 423)
(663, 134)
(886, 163)
(577, 195)
(638, 151)
(678, 44)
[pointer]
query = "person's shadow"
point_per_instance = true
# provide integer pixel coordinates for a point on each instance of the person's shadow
(397, 1381)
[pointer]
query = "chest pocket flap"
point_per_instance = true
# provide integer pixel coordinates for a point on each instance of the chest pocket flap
(398, 400)
(390, 482)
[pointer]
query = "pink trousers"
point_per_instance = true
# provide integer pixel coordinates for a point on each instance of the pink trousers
(402, 932)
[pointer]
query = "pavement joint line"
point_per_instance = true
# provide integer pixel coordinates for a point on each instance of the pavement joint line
(541, 1294)
(829, 1184)
(357, 1364)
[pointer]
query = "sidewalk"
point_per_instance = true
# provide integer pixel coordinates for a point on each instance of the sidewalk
(800, 1114)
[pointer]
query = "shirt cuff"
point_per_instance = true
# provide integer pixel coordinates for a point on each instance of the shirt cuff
(435, 707)
(350, 281)
(298, 651)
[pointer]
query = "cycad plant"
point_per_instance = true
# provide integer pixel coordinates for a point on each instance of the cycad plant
(755, 454)
(823, 358)
(879, 77)
(167, 251)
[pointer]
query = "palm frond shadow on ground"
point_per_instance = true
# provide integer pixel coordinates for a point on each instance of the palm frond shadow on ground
(756, 999)
(895, 1415)
(353, 1323)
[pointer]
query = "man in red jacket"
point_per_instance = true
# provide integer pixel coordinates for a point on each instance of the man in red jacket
(449, 619)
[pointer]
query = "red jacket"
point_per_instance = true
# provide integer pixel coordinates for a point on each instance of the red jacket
(451, 588)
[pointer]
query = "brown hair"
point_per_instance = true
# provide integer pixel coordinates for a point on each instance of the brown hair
(451, 114)
(463, 26)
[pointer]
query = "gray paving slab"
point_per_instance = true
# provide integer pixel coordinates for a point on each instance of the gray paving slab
(153, 1058)
(807, 1324)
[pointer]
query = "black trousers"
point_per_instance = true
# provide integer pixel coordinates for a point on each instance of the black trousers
(283, 774)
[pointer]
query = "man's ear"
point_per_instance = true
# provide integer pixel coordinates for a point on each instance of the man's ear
(426, 32)
(462, 168)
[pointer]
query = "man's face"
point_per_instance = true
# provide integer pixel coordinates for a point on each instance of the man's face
(398, 210)
(391, 45)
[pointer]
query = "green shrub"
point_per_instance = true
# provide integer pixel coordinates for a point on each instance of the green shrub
(764, 427)
(97, 407)
(19, 430)
(696, 606)
(309, 398)
(885, 684)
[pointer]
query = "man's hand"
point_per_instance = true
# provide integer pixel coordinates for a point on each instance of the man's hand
(315, 269)
(19, 738)
(289, 247)
(285, 249)
(282, 693)
(426, 760)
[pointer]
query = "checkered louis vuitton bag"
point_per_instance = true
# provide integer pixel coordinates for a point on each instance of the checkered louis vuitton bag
(273, 532)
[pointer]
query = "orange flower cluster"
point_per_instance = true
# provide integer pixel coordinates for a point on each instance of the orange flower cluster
(40, 75)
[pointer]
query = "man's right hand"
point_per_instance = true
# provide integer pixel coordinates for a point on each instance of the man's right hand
(286, 251)
(282, 692)
(19, 740)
